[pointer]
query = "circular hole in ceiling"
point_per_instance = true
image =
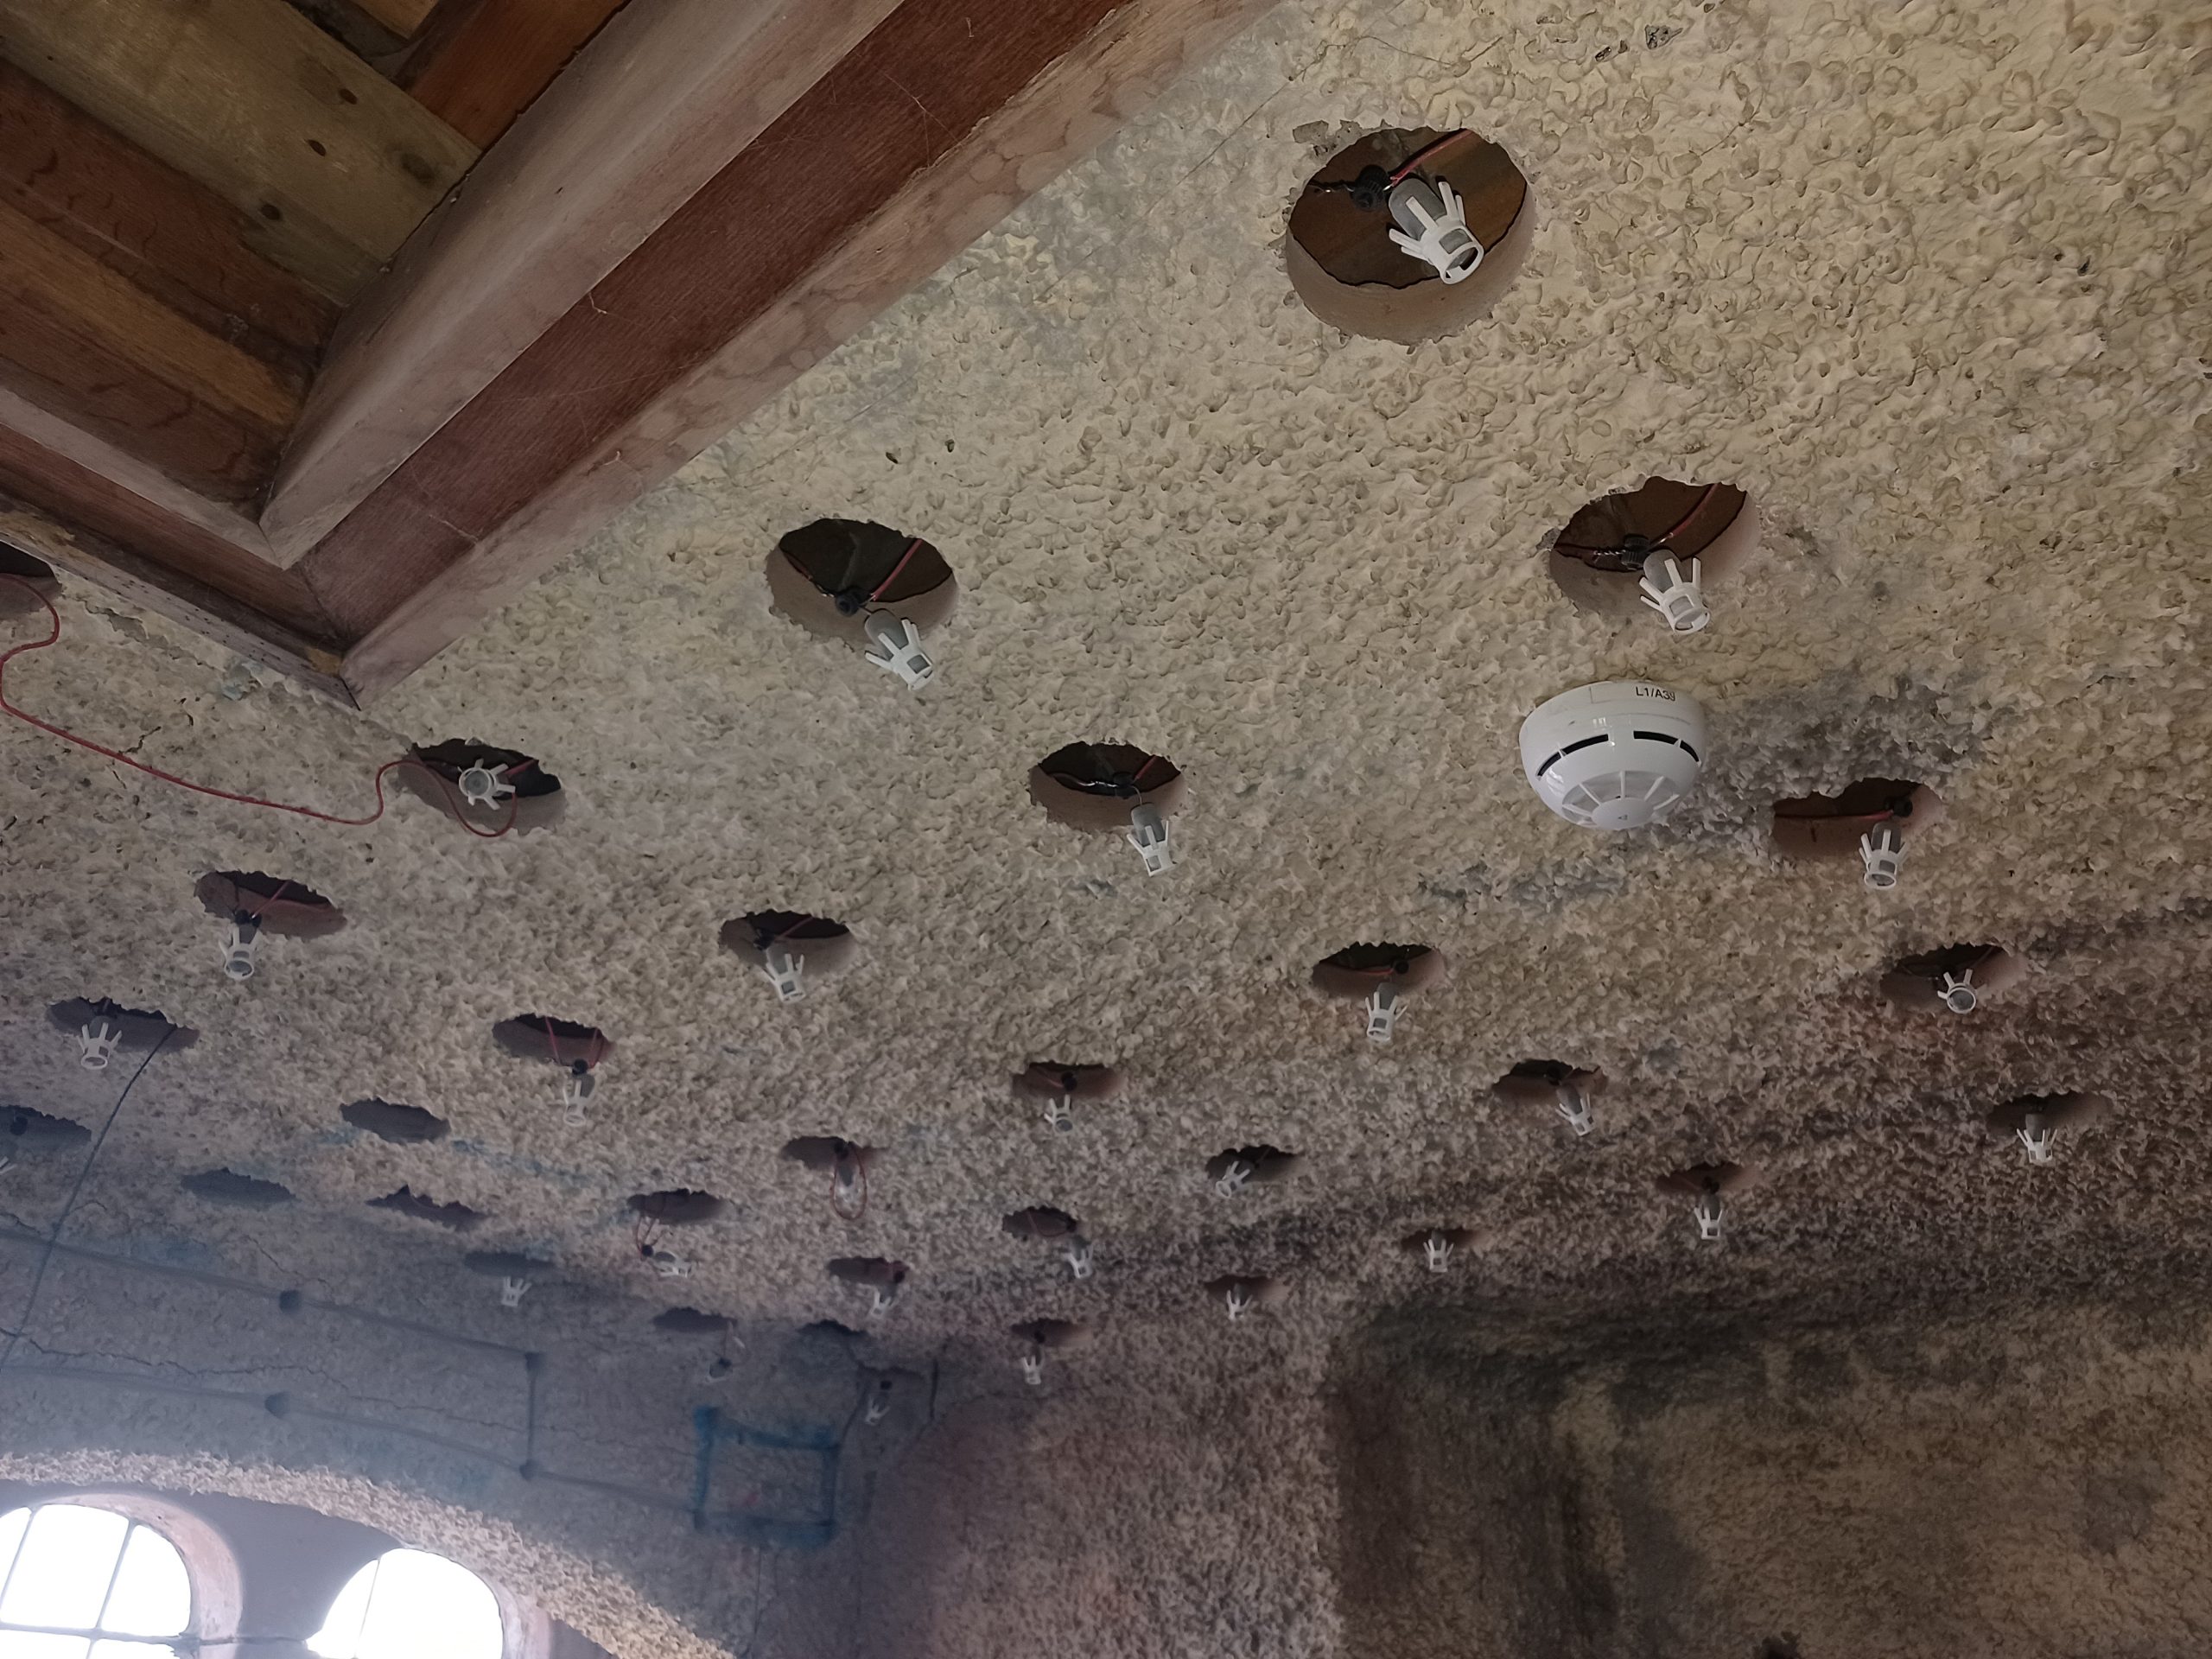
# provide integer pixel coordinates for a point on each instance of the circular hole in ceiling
(135, 1029)
(1095, 786)
(832, 575)
(845, 1164)
(1357, 969)
(690, 1322)
(876, 1272)
(1040, 1079)
(526, 793)
(1039, 1221)
(1350, 272)
(35, 579)
(388, 1120)
(1698, 1179)
(1539, 1081)
(541, 1037)
(1830, 826)
(1050, 1333)
(678, 1207)
(25, 1132)
(506, 1264)
(1260, 1165)
(1246, 1292)
(1597, 559)
(289, 909)
(1417, 1243)
(1957, 979)
(2066, 1111)
(789, 947)
(228, 1186)
(408, 1202)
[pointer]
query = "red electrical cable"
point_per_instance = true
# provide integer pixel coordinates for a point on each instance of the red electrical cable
(1426, 151)
(54, 635)
(1660, 540)
(912, 548)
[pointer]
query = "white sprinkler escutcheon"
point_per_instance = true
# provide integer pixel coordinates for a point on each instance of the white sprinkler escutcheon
(879, 1408)
(781, 967)
(899, 645)
(1436, 1253)
(483, 786)
(511, 1291)
(1384, 1004)
(1057, 1114)
(1958, 992)
(881, 1299)
(1077, 1257)
(2036, 1135)
(238, 940)
(1707, 1213)
(845, 1182)
(1148, 835)
(1881, 850)
(1033, 1369)
(1679, 599)
(1233, 1179)
(670, 1265)
(96, 1044)
(1433, 227)
(1574, 1109)
(1241, 1302)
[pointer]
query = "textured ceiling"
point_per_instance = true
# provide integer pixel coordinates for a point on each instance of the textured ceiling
(1929, 281)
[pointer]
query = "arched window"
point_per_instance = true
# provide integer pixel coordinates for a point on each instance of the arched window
(407, 1605)
(81, 1583)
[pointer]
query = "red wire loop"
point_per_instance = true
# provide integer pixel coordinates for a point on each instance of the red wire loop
(54, 634)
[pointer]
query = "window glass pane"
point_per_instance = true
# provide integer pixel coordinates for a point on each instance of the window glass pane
(11, 1534)
(153, 1594)
(21, 1644)
(61, 1575)
(419, 1606)
(340, 1635)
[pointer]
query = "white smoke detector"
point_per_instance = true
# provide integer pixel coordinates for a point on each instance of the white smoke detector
(1614, 755)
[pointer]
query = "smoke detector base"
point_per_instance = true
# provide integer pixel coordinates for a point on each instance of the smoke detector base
(1615, 755)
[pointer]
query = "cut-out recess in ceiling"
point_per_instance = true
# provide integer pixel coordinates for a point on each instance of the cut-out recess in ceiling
(1370, 253)
(1610, 558)
(879, 589)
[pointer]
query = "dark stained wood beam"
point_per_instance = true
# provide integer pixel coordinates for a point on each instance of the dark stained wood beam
(497, 56)
(680, 226)
(919, 140)
(670, 93)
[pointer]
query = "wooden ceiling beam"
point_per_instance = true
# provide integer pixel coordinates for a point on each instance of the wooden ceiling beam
(333, 165)
(477, 73)
(716, 195)
(922, 137)
(668, 94)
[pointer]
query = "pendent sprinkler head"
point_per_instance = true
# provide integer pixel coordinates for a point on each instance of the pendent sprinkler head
(1384, 1004)
(1881, 850)
(1149, 834)
(1677, 598)
(239, 941)
(1432, 228)
(95, 1043)
(485, 786)
(1707, 1213)
(899, 651)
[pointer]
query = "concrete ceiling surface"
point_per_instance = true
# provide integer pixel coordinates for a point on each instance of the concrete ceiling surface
(1929, 281)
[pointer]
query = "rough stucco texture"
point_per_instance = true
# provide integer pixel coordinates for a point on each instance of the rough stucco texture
(1928, 280)
(2032, 1485)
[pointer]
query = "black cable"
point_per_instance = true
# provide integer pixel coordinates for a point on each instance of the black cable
(46, 1256)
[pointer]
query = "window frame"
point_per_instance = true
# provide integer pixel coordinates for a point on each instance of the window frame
(210, 1572)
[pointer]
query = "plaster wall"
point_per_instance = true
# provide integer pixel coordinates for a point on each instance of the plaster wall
(2028, 1482)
